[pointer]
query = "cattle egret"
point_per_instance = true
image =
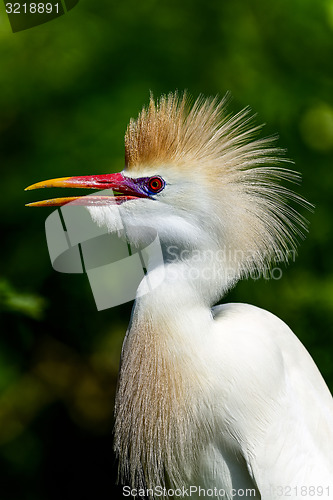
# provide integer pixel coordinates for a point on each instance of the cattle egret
(224, 400)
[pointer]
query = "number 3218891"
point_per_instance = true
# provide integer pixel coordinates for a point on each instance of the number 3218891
(32, 8)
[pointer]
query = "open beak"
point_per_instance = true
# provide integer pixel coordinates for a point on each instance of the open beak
(124, 190)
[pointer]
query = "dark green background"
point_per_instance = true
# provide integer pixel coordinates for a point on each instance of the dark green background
(68, 89)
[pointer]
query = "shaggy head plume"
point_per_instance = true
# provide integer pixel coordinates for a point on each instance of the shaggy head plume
(242, 173)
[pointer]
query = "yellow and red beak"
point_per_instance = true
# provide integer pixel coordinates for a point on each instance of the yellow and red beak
(124, 189)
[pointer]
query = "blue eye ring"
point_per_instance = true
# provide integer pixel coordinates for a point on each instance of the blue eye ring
(155, 184)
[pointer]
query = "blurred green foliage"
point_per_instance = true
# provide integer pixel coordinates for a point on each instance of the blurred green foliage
(26, 303)
(68, 89)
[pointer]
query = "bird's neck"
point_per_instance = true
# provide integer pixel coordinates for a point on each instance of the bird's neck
(205, 274)
(158, 403)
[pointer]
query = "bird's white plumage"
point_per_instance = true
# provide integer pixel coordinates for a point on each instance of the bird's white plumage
(222, 396)
(245, 401)
(291, 444)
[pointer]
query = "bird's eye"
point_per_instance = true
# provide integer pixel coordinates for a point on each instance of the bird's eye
(156, 184)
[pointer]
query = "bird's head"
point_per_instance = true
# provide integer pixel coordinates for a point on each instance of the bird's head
(200, 178)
